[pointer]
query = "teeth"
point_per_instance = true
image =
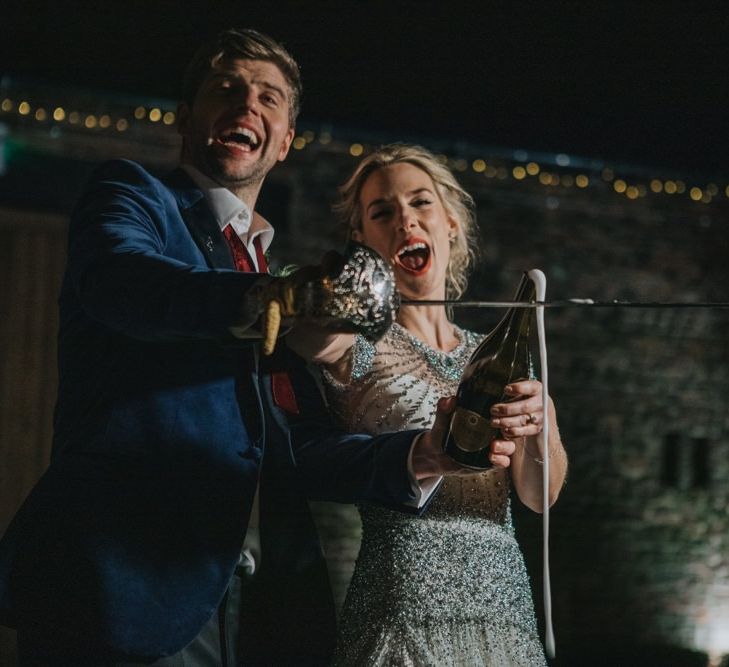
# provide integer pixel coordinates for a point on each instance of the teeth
(411, 248)
(241, 134)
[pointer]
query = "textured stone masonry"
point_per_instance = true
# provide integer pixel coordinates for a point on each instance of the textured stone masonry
(640, 564)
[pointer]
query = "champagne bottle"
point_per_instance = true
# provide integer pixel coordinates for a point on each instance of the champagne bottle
(501, 358)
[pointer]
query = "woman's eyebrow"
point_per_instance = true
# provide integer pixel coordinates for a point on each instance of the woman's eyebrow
(375, 202)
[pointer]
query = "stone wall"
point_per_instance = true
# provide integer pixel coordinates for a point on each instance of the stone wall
(640, 552)
(640, 536)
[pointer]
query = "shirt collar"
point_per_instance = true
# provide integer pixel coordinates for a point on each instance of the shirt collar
(230, 210)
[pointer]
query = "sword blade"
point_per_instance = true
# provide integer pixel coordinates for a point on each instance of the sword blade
(564, 303)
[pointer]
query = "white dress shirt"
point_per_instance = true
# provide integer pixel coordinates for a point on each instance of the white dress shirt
(230, 210)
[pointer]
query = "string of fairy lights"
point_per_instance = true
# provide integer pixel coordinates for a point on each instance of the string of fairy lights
(558, 172)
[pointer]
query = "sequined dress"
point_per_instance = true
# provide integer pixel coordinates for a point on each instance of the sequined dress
(447, 588)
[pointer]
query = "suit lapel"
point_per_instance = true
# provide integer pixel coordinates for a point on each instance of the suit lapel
(199, 220)
(204, 229)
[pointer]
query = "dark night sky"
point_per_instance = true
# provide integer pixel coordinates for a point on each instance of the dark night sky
(643, 82)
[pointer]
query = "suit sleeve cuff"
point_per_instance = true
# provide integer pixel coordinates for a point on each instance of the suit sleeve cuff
(422, 489)
(248, 324)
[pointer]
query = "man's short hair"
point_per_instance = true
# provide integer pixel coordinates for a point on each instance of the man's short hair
(248, 44)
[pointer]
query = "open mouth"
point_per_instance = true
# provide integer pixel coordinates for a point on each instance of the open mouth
(414, 256)
(239, 139)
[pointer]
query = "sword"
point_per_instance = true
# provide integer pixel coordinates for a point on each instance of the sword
(564, 303)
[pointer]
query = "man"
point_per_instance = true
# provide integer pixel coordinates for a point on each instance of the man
(130, 548)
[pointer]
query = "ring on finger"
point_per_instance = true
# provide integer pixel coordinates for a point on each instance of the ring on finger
(531, 418)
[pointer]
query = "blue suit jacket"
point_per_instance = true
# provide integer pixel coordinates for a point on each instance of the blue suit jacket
(128, 541)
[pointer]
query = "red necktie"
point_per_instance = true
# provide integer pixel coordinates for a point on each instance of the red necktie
(241, 256)
(281, 387)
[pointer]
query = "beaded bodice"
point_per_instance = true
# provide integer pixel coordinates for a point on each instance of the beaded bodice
(395, 384)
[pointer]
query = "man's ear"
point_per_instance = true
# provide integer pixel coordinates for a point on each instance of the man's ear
(183, 128)
(183, 118)
(286, 144)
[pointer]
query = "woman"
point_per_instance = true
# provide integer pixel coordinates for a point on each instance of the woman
(450, 587)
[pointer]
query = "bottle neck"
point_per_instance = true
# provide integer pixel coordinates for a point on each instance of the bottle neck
(518, 321)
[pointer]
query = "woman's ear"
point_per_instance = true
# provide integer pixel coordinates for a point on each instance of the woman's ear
(452, 229)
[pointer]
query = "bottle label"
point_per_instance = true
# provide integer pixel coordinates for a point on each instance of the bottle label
(469, 430)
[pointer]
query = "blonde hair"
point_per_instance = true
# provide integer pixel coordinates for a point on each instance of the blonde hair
(457, 202)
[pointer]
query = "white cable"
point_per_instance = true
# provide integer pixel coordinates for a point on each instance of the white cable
(540, 282)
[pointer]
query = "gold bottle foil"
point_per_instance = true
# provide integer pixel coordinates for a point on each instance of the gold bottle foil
(470, 431)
